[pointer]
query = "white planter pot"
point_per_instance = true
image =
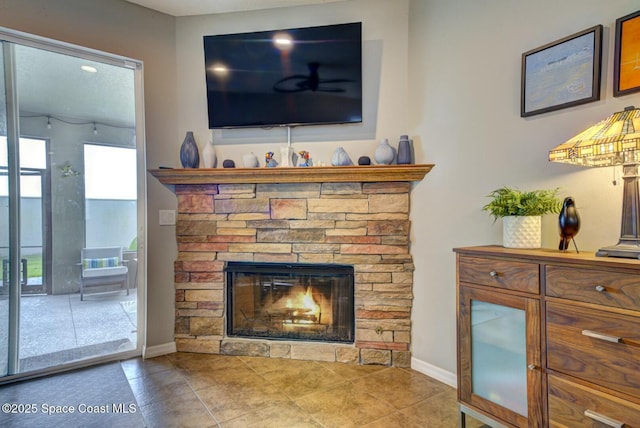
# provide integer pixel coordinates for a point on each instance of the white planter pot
(522, 232)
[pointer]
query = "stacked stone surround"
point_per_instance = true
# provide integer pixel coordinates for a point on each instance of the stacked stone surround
(361, 224)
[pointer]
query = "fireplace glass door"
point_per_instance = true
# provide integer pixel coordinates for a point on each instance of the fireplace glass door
(290, 301)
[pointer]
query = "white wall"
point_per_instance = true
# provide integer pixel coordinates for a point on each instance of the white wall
(464, 76)
(385, 58)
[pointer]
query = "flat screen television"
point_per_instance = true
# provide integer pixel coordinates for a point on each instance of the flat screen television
(290, 77)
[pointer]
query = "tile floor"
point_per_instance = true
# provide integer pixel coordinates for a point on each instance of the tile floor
(198, 390)
(98, 396)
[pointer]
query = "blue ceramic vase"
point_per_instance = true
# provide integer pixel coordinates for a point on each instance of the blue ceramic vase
(404, 150)
(189, 156)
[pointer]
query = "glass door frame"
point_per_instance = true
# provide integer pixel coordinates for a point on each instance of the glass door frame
(531, 308)
(8, 38)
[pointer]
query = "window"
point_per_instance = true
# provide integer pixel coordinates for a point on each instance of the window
(110, 196)
(33, 156)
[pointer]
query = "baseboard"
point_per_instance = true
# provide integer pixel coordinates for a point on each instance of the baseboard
(434, 372)
(157, 350)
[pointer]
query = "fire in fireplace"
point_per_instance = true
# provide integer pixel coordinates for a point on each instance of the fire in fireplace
(290, 301)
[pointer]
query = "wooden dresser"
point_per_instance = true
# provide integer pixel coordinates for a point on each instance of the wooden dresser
(548, 338)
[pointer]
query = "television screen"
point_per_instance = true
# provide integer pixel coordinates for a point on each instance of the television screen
(298, 76)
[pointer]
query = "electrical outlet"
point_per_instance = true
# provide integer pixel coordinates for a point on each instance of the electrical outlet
(379, 330)
(167, 217)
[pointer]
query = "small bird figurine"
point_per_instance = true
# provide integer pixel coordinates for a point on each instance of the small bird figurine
(304, 158)
(269, 161)
(569, 222)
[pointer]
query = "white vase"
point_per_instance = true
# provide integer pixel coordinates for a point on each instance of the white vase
(522, 231)
(384, 153)
(250, 160)
(286, 156)
(209, 155)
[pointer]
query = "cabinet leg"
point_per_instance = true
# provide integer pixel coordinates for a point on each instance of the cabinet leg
(462, 419)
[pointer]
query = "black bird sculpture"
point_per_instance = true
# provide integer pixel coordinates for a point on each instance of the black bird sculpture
(569, 222)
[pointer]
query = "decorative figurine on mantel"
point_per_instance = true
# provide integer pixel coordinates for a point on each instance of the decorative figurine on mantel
(269, 161)
(341, 158)
(304, 158)
(364, 160)
(569, 223)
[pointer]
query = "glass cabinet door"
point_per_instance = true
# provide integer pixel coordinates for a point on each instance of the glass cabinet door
(500, 355)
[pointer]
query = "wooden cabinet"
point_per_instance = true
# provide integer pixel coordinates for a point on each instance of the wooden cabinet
(548, 338)
(593, 345)
(499, 338)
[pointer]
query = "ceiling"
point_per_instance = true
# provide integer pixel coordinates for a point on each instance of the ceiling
(54, 84)
(205, 7)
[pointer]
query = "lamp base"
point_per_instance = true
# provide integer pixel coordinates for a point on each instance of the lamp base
(627, 251)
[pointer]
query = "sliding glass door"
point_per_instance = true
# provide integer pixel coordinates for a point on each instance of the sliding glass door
(71, 213)
(5, 229)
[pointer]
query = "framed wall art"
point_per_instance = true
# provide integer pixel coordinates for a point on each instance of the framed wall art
(562, 74)
(626, 63)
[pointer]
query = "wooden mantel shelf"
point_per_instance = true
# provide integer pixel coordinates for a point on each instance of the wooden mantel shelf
(315, 174)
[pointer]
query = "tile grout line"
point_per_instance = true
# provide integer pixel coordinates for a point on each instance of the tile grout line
(139, 407)
(288, 397)
(215, 420)
(291, 399)
(203, 403)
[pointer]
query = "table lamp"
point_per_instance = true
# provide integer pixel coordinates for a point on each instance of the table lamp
(613, 141)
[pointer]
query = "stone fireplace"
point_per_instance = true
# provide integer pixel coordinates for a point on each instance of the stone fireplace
(334, 216)
(294, 301)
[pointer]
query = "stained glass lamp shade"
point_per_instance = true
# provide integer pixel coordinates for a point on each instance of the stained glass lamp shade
(613, 141)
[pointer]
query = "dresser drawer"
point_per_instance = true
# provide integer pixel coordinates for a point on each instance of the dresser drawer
(573, 405)
(621, 290)
(597, 346)
(505, 274)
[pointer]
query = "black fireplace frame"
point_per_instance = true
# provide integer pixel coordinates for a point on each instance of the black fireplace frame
(319, 269)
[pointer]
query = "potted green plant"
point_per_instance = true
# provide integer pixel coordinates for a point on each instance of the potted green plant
(521, 214)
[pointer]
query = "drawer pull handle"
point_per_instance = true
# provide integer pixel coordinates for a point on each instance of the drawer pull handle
(603, 419)
(600, 288)
(532, 367)
(601, 336)
(494, 273)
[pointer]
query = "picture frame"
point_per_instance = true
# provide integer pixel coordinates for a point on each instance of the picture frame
(563, 73)
(626, 63)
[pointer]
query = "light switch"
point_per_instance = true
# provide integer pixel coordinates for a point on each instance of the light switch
(167, 217)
